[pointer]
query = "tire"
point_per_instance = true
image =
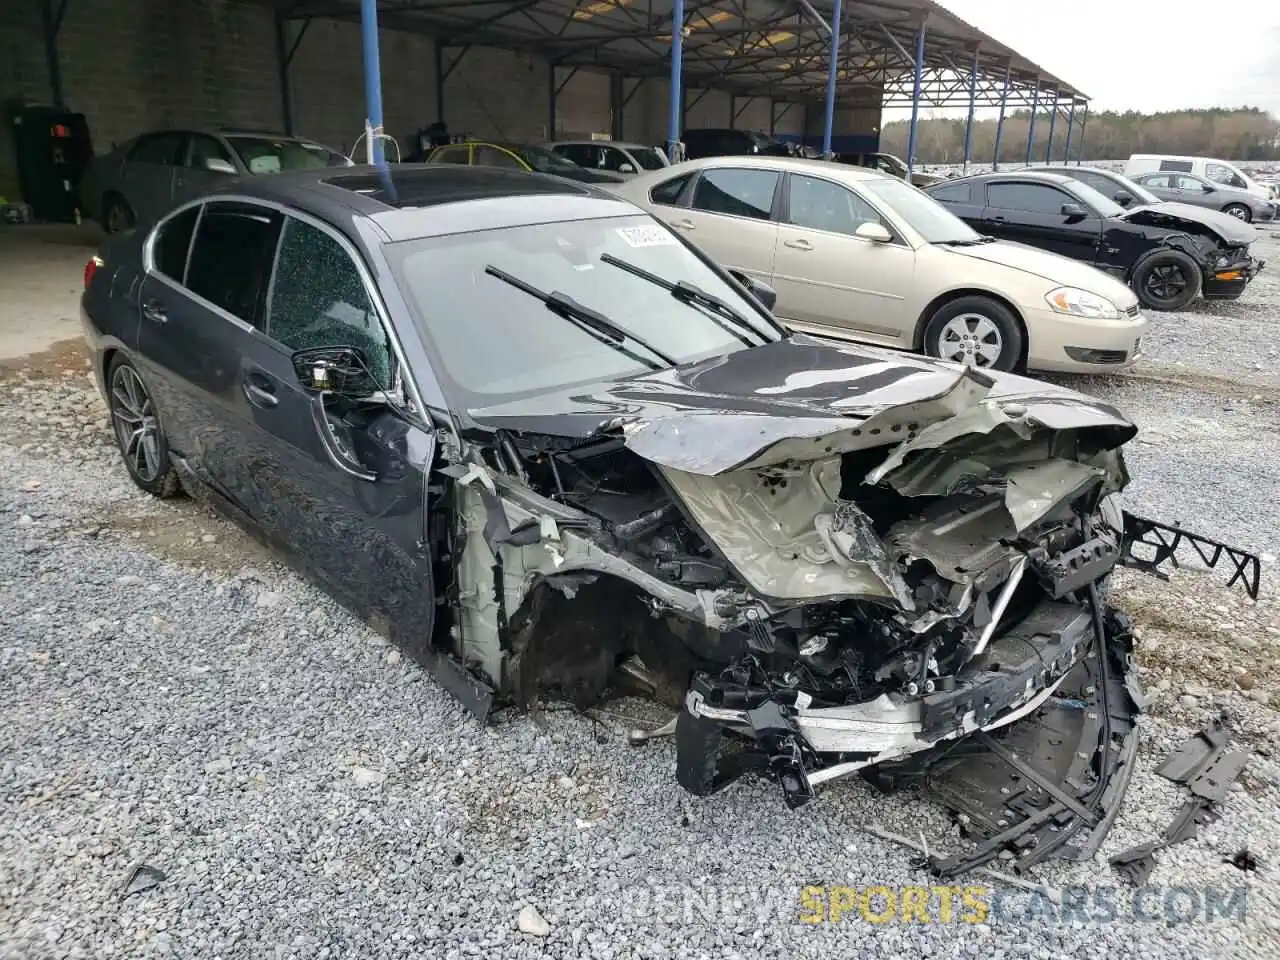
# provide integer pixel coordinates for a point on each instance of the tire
(136, 427)
(1239, 211)
(978, 330)
(117, 215)
(1168, 280)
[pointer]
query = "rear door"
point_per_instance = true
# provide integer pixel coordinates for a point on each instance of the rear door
(148, 173)
(1162, 185)
(192, 340)
(1032, 213)
(831, 280)
(728, 214)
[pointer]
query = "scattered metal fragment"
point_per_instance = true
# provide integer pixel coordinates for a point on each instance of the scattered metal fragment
(1207, 768)
(141, 877)
(641, 735)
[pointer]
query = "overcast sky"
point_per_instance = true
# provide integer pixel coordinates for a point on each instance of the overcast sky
(1127, 55)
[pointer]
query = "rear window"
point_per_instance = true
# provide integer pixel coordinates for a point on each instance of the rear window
(952, 192)
(1178, 166)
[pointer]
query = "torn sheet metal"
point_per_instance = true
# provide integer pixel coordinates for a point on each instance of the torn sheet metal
(778, 528)
(717, 442)
(1034, 489)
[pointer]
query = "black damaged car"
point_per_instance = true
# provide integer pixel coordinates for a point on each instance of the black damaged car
(553, 451)
(1165, 255)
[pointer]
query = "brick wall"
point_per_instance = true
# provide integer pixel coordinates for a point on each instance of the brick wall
(134, 65)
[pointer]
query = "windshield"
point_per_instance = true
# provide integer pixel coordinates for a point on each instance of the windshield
(493, 342)
(889, 164)
(276, 154)
(1140, 193)
(544, 161)
(1104, 205)
(649, 158)
(934, 222)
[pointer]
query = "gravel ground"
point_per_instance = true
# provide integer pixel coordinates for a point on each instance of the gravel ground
(170, 696)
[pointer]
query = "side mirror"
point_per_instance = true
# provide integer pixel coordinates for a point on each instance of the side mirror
(1208, 188)
(875, 232)
(758, 289)
(626, 168)
(218, 165)
(1123, 199)
(338, 371)
(1073, 210)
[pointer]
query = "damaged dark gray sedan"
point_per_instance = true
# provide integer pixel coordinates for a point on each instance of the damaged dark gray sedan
(553, 450)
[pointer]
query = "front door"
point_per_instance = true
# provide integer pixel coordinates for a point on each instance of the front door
(1032, 213)
(194, 177)
(830, 281)
(728, 217)
(344, 484)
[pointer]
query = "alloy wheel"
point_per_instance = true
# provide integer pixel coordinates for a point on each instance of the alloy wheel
(134, 419)
(1166, 282)
(971, 338)
(1240, 213)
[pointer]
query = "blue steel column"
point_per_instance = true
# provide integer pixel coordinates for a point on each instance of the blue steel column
(1071, 122)
(973, 103)
(372, 73)
(675, 110)
(1031, 126)
(832, 75)
(915, 101)
(1053, 120)
(1004, 99)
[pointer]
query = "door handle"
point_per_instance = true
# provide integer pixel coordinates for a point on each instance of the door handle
(996, 219)
(684, 225)
(259, 389)
(800, 244)
(153, 310)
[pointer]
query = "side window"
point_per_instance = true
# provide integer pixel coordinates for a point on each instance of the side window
(493, 157)
(231, 257)
(668, 192)
(1190, 183)
(1159, 181)
(575, 152)
(1177, 166)
(205, 148)
(318, 299)
(737, 191)
(171, 243)
(1031, 197)
(162, 148)
(952, 193)
(822, 205)
(611, 158)
(459, 155)
(1220, 174)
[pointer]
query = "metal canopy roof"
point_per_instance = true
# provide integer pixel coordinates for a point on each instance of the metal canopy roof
(755, 48)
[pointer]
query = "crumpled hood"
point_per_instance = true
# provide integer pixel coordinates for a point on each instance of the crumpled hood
(793, 399)
(1175, 216)
(1057, 270)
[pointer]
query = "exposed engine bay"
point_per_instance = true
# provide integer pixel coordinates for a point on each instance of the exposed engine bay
(819, 596)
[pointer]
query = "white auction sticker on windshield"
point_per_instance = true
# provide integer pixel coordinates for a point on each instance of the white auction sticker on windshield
(646, 237)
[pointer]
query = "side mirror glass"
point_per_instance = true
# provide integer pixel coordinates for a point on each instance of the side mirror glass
(875, 232)
(1123, 199)
(339, 371)
(218, 165)
(1072, 210)
(758, 289)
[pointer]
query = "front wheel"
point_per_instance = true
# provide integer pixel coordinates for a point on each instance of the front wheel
(1239, 211)
(1168, 280)
(977, 331)
(136, 426)
(117, 215)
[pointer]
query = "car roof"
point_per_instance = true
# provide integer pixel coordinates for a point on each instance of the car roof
(795, 164)
(1054, 171)
(413, 200)
(1033, 175)
(625, 144)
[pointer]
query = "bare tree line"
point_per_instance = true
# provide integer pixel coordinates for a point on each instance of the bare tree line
(1233, 134)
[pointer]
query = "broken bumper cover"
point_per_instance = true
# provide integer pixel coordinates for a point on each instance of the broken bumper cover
(1016, 675)
(1230, 280)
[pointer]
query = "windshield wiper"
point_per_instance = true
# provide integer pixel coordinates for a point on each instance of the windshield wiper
(584, 318)
(687, 293)
(972, 242)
